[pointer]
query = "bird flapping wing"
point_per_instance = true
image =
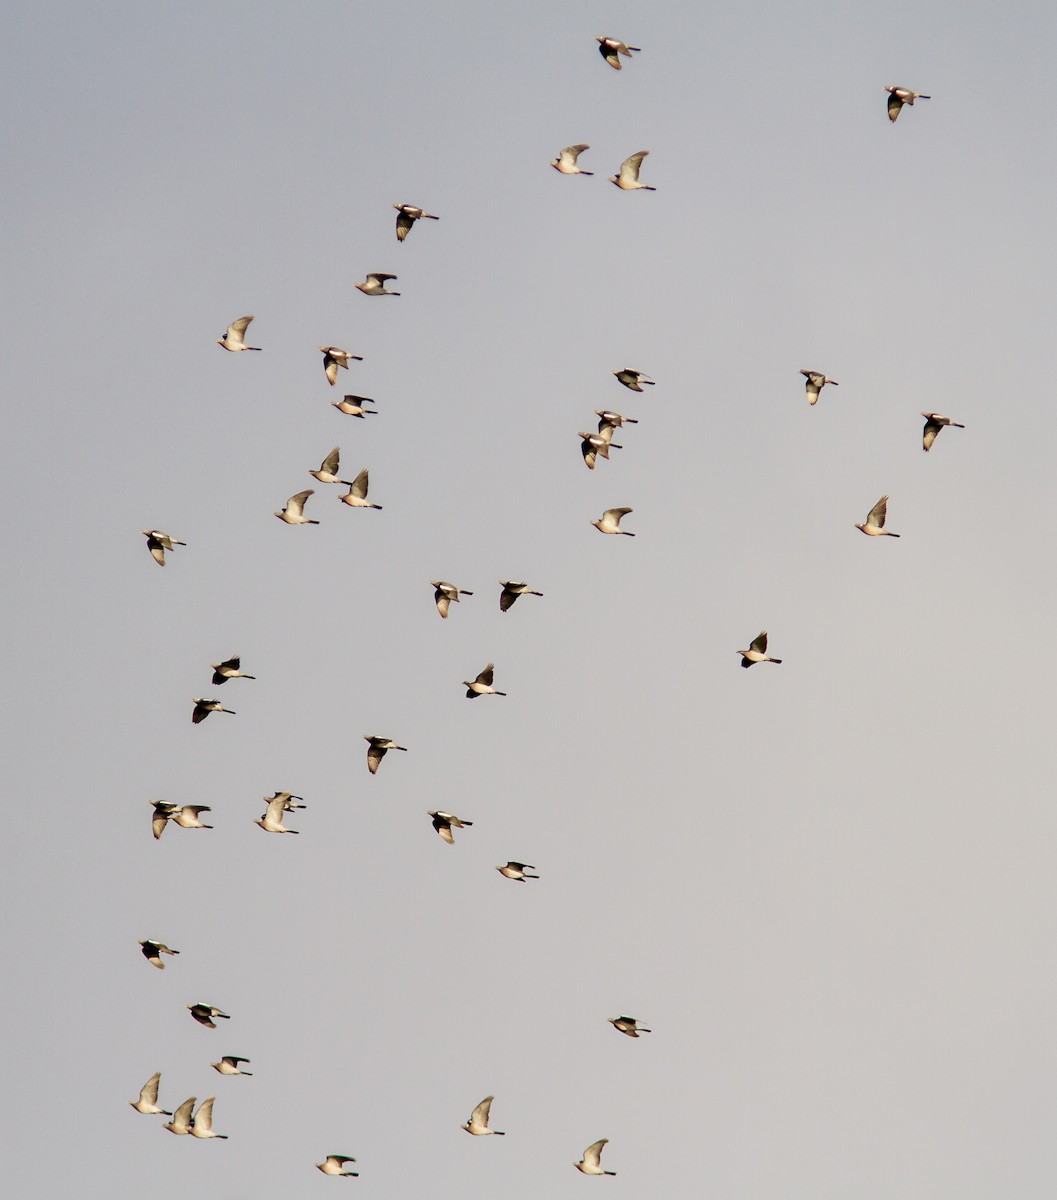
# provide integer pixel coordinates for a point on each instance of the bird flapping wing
(629, 168)
(878, 513)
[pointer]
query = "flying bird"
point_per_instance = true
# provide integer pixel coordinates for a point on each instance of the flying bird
(517, 871)
(628, 179)
(294, 512)
(406, 216)
(511, 591)
(933, 424)
(377, 749)
(591, 1163)
(204, 707)
(352, 406)
(186, 816)
(815, 381)
(611, 49)
(446, 594)
(271, 820)
(609, 522)
(229, 1065)
(287, 798)
(328, 469)
(633, 379)
(566, 160)
(334, 357)
(333, 1163)
(594, 444)
(152, 952)
(875, 522)
(443, 822)
(181, 1119)
(158, 543)
(163, 811)
(236, 332)
(482, 685)
(356, 496)
(628, 1026)
(206, 1014)
(607, 419)
(148, 1098)
(757, 651)
(229, 669)
(374, 285)
(478, 1122)
(202, 1122)
(898, 96)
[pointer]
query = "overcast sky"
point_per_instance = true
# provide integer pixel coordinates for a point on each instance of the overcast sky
(826, 886)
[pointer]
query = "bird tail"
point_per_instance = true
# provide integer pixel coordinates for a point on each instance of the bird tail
(467, 822)
(245, 1072)
(504, 693)
(887, 534)
(462, 592)
(626, 533)
(528, 876)
(499, 1132)
(774, 660)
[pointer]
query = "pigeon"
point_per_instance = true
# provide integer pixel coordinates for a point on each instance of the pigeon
(517, 871)
(352, 406)
(181, 1119)
(203, 708)
(633, 379)
(478, 1122)
(356, 496)
(443, 823)
(591, 1163)
(815, 381)
(229, 669)
(334, 357)
(293, 513)
(757, 651)
(875, 522)
(287, 798)
(445, 594)
(205, 1014)
(407, 215)
(333, 1163)
(594, 444)
(271, 821)
(148, 1098)
(229, 1065)
(607, 419)
(152, 952)
(482, 685)
(377, 749)
(609, 522)
(236, 331)
(566, 160)
(202, 1124)
(511, 591)
(611, 49)
(628, 179)
(628, 1026)
(898, 96)
(158, 543)
(163, 811)
(186, 816)
(374, 285)
(933, 424)
(328, 469)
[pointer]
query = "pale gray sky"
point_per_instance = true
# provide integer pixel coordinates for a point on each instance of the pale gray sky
(827, 886)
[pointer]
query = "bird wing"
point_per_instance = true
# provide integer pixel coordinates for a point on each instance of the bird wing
(158, 823)
(443, 603)
(616, 513)
(506, 598)
(237, 329)
(593, 1153)
(329, 466)
(878, 513)
(295, 506)
(276, 808)
(570, 154)
(479, 1116)
(609, 54)
(487, 675)
(330, 368)
(358, 487)
(403, 225)
(379, 278)
(203, 1119)
(895, 106)
(629, 168)
(932, 428)
(375, 754)
(759, 642)
(149, 1092)
(183, 1114)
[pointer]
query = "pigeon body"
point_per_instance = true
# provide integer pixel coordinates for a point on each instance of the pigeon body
(148, 1098)
(517, 871)
(377, 749)
(271, 820)
(181, 1119)
(482, 685)
(186, 816)
(374, 285)
(898, 96)
(352, 406)
(757, 651)
(333, 358)
(609, 522)
(444, 822)
(933, 424)
(152, 952)
(203, 707)
(815, 381)
(478, 1122)
(633, 379)
(158, 543)
(207, 1014)
(356, 496)
(294, 512)
(287, 799)
(609, 421)
(628, 1026)
(446, 594)
(511, 591)
(628, 178)
(566, 160)
(233, 339)
(229, 1065)
(874, 524)
(594, 444)
(202, 1123)
(230, 668)
(333, 1163)
(406, 216)
(611, 49)
(591, 1163)
(328, 468)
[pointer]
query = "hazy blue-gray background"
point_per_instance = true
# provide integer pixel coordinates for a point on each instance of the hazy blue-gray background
(827, 886)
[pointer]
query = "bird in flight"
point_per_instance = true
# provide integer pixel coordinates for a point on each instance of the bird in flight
(898, 96)
(356, 496)
(874, 524)
(482, 685)
(202, 1122)
(406, 216)
(611, 49)
(374, 284)
(933, 424)
(352, 406)
(511, 591)
(229, 669)
(333, 1163)
(609, 522)
(152, 952)
(233, 339)
(566, 160)
(628, 179)
(757, 651)
(229, 1065)
(446, 594)
(443, 822)
(591, 1163)
(377, 749)
(334, 357)
(815, 381)
(517, 871)
(181, 1119)
(148, 1098)
(271, 820)
(158, 543)
(294, 512)
(204, 707)
(628, 1026)
(328, 468)
(633, 379)
(478, 1122)
(594, 444)
(207, 1014)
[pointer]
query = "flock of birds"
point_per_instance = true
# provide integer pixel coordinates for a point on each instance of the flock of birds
(198, 1123)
